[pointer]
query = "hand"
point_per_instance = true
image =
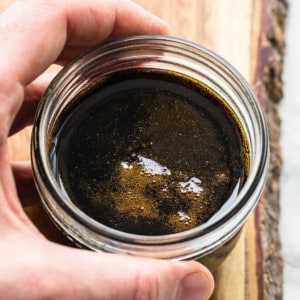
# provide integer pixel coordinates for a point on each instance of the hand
(33, 35)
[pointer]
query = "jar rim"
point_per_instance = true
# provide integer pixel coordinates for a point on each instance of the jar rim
(259, 165)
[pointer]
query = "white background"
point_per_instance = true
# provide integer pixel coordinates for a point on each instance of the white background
(290, 141)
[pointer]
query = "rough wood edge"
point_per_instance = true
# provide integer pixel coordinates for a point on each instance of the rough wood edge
(269, 87)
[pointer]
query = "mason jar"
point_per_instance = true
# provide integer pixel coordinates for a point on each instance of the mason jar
(209, 242)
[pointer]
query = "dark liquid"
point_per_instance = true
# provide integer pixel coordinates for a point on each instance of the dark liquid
(149, 153)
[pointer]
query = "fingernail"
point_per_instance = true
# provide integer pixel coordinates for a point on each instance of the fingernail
(195, 287)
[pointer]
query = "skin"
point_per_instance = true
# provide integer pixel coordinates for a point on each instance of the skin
(33, 35)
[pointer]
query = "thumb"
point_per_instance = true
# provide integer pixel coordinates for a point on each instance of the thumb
(90, 275)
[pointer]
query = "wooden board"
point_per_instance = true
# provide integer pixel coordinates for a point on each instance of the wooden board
(250, 35)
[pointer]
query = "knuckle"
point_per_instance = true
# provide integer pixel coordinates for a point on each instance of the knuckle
(11, 98)
(147, 287)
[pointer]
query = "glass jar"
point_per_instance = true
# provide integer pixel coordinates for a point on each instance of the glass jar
(208, 243)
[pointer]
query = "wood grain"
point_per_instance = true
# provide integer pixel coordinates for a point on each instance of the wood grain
(246, 34)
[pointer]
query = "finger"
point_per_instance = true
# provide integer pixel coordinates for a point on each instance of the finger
(119, 277)
(129, 19)
(32, 95)
(59, 272)
(26, 189)
(36, 33)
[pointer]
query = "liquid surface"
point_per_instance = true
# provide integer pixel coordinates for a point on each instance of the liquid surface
(149, 154)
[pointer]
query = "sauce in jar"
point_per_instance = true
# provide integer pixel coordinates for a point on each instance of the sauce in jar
(149, 152)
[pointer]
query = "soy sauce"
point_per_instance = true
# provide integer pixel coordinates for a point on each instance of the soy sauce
(149, 152)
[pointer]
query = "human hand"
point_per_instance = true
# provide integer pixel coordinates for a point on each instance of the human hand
(33, 35)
